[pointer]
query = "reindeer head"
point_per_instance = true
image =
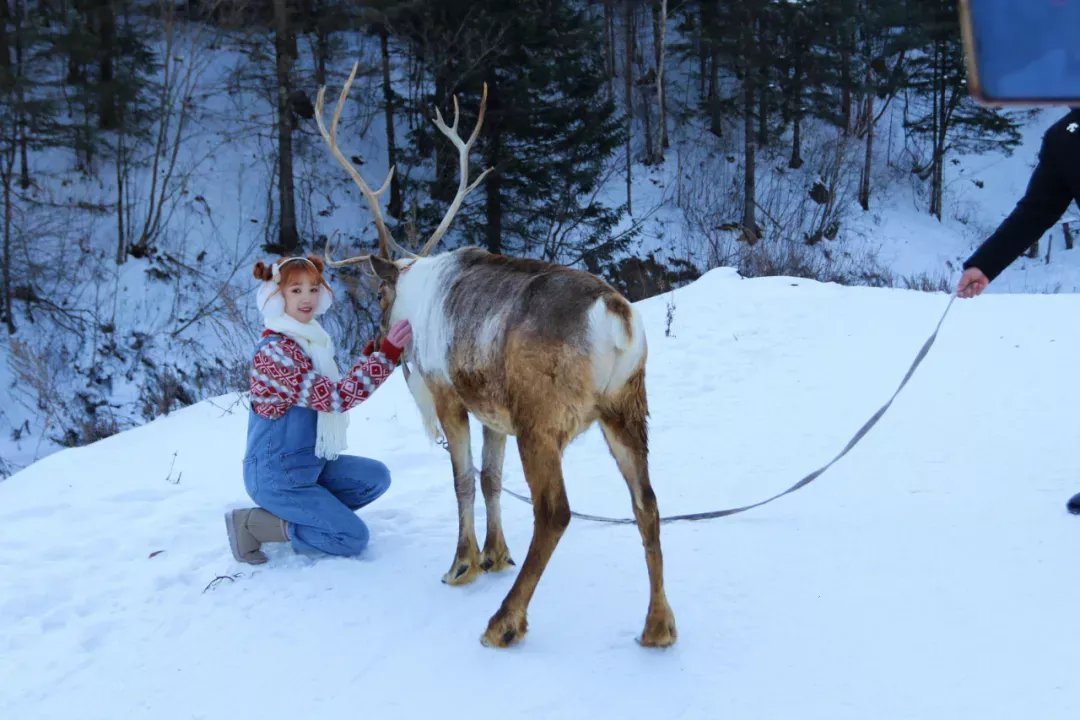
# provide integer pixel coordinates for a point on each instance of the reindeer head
(382, 264)
(387, 272)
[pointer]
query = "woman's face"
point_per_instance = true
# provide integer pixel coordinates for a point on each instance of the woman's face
(301, 299)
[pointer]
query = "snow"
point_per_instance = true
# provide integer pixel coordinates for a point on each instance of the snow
(929, 574)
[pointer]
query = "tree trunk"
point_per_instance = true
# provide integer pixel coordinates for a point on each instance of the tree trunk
(23, 133)
(660, 31)
(6, 172)
(938, 134)
(864, 178)
(7, 76)
(796, 111)
(650, 147)
(493, 205)
(121, 171)
(749, 224)
(609, 46)
(646, 106)
(716, 124)
(395, 208)
(322, 54)
(796, 160)
(106, 26)
(761, 40)
(83, 14)
(763, 109)
(628, 71)
(845, 84)
(284, 44)
(322, 42)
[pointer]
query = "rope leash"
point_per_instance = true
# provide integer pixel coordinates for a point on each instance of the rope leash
(859, 435)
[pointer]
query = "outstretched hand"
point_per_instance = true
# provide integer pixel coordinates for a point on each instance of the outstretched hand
(972, 283)
(400, 334)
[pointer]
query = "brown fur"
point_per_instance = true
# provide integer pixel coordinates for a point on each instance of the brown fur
(537, 384)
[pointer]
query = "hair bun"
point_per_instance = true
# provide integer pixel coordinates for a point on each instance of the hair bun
(317, 262)
(262, 271)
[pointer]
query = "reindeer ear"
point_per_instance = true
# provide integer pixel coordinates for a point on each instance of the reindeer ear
(385, 269)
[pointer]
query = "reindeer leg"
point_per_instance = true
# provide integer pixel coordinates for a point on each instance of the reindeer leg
(624, 426)
(541, 458)
(455, 423)
(496, 555)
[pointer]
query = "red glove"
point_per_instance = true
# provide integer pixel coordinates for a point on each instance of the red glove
(400, 335)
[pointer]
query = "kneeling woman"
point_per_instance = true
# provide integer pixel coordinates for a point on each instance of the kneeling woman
(293, 468)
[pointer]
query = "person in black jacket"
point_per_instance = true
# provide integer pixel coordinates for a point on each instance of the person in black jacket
(1054, 184)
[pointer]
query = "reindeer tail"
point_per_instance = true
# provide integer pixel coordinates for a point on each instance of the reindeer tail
(618, 341)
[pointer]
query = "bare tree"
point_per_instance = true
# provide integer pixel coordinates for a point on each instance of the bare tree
(285, 54)
(7, 172)
(628, 71)
(144, 209)
(747, 38)
(388, 99)
(660, 15)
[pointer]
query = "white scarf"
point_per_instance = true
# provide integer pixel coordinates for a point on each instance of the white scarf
(330, 440)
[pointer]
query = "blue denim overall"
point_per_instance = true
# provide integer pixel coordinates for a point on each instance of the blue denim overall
(316, 497)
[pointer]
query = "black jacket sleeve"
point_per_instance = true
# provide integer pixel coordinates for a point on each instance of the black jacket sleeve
(1046, 199)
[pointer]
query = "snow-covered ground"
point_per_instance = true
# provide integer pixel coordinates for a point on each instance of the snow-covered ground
(932, 573)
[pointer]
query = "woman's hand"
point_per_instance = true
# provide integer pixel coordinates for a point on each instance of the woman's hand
(400, 334)
(972, 283)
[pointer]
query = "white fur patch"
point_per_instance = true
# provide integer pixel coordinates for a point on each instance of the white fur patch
(615, 356)
(268, 300)
(421, 297)
(492, 331)
(425, 402)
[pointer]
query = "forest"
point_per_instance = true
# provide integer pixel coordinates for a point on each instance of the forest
(152, 151)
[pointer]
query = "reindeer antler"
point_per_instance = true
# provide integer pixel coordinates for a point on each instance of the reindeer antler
(463, 147)
(386, 240)
(340, 263)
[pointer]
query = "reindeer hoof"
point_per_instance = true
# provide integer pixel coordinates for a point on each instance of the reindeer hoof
(462, 572)
(496, 561)
(659, 631)
(504, 630)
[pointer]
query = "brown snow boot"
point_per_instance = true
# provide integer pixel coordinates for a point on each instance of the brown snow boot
(248, 529)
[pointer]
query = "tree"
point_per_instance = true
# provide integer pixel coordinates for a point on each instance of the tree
(549, 127)
(284, 57)
(25, 101)
(939, 107)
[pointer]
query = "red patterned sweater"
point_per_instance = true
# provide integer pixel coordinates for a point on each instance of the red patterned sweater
(282, 375)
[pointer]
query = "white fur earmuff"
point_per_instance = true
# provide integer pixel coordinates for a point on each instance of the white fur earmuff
(326, 299)
(269, 301)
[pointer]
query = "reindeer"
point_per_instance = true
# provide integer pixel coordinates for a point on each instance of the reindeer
(531, 349)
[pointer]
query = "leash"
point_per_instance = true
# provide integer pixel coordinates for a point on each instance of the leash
(859, 435)
(806, 480)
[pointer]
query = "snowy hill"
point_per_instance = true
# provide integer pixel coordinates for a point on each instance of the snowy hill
(933, 573)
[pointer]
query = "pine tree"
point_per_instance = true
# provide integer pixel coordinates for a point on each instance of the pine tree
(27, 101)
(548, 131)
(109, 70)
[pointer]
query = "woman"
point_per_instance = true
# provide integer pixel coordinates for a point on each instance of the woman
(293, 467)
